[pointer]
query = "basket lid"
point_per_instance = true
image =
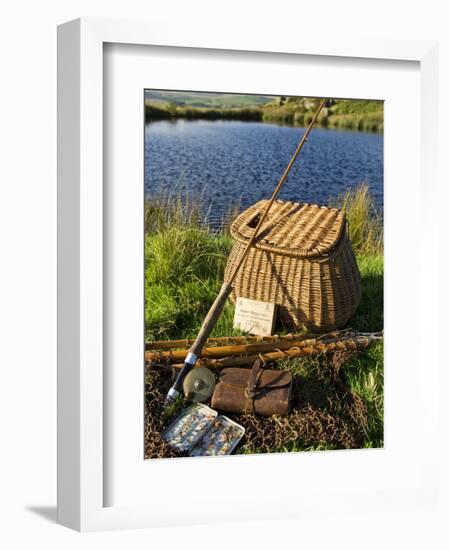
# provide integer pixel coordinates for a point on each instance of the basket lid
(291, 229)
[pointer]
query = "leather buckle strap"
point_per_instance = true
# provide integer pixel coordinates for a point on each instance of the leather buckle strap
(250, 390)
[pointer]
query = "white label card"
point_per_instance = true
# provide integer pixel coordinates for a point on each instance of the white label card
(254, 317)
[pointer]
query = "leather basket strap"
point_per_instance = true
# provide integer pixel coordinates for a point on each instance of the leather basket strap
(250, 390)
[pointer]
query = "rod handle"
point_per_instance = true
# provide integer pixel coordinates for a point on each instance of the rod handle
(197, 347)
(211, 319)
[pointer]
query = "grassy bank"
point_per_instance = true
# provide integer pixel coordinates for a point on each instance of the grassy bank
(184, 269)
(339, 113)
(345, 114)
(161, 111)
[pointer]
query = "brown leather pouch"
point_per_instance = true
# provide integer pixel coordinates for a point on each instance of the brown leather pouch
(255, 390)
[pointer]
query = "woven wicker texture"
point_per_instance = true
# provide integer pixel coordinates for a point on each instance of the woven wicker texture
(302, 261)
(300, 230)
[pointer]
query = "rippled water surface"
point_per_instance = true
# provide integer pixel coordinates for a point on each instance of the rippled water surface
(229, 163)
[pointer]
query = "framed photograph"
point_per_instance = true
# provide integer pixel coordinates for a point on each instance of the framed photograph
(238, 266)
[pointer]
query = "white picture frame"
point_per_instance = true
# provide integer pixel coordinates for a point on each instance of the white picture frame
(84, 395)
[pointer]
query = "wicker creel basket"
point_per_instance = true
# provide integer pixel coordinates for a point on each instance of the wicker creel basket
(302, 260)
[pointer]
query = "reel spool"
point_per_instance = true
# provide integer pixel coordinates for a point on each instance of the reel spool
(199, 385)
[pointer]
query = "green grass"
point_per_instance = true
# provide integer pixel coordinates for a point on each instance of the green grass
(184, 266)
(183, 274)
(358, 401)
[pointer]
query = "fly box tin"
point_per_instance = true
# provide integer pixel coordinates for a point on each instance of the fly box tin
(301, 260)
(199, 432)
(221, 439)
(189, 427)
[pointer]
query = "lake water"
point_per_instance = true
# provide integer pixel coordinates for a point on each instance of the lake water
(229, 163)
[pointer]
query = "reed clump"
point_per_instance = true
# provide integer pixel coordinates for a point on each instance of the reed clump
(164, 111)
(368, 122)
(172, 209)
(365, 224)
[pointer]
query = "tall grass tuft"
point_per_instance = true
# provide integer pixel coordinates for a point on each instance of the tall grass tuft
(184, 265)
(171, 209)
(364, 222)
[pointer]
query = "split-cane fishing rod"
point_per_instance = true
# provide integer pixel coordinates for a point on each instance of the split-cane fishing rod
(226, 289)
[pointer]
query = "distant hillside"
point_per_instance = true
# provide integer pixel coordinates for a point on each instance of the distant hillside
(298, 111)
(206, 100)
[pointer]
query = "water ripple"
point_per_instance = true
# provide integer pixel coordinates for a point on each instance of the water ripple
(228, 163)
